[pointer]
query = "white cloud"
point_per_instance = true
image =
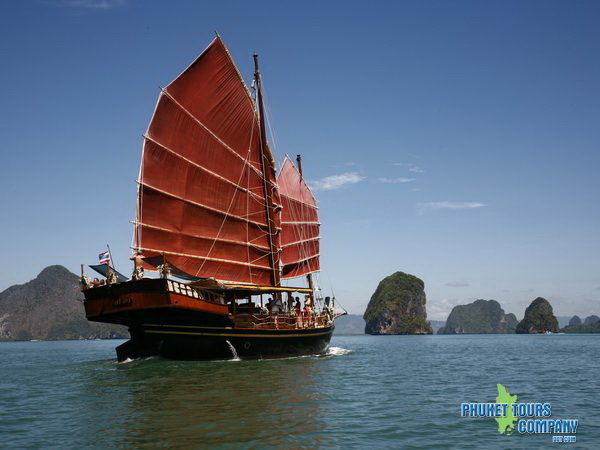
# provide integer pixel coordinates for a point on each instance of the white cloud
(440, 309)
(90, 4)
(423, 207)
(336, 181)
(395, 180)
(457, 284)
(410, 167)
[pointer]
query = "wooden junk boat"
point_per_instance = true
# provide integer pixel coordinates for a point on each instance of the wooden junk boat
(212, 212)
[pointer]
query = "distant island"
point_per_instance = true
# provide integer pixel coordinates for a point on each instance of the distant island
(479, 317)
(398, 307)
(49, 308)
(539, 318)
(488, 317)
(591, 324)
(350, 324)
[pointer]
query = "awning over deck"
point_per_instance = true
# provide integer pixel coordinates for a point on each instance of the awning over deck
(247, 288)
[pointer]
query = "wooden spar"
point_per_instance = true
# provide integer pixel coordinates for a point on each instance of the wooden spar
(299, 163)
(309, 278)
(110, 257)
(251, 288)
(275, 275)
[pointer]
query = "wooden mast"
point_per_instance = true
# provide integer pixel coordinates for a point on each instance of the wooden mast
(275, 274)
(309, 276)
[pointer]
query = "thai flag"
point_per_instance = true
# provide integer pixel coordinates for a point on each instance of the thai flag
(104, 258)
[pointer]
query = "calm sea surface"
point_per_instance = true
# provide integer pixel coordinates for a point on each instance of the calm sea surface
(369, 392)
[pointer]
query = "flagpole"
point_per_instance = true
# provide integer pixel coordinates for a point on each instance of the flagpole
(110, 256)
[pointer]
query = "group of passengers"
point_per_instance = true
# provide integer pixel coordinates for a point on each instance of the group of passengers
(86, 283)
(305, 317)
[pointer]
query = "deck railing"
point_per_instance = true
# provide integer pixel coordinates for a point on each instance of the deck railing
(281, 321)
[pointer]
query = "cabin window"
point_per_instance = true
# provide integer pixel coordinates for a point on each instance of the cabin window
(176, 287)
(195, 292)
(170, 285)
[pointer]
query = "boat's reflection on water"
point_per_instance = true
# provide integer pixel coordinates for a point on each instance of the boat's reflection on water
(250, 403)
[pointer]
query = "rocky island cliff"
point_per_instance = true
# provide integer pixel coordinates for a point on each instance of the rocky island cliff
(398, 307)
(479, 317)
(50, 307)
(539, 318)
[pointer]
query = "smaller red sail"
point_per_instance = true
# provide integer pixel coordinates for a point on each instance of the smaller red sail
(299, 224)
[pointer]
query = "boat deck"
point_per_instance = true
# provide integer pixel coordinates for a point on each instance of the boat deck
(170, 301)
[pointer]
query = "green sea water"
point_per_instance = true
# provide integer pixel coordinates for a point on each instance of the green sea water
(367, 392)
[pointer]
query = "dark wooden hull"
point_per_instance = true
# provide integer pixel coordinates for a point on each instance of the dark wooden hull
(177, 341)
(180, 325)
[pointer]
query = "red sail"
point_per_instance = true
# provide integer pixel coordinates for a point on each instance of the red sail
(201, 200)
(299, 223)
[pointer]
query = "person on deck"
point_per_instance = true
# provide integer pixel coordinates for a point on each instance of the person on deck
(277, 308)
(164, 270)
(138, 265)
(298, 309)
(111, 276)
(307, 311)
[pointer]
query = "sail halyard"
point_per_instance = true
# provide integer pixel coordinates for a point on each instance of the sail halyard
(201, 197)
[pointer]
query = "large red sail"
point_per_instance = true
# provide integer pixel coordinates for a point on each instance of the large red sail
(201, 197)
(299, 223)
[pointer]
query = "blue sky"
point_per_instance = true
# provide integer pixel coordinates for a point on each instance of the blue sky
(457, 141)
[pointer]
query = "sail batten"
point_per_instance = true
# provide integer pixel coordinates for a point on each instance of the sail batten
(300, 202)
(209, 238)
(201, 187)
(300, 241)
(228, 261)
